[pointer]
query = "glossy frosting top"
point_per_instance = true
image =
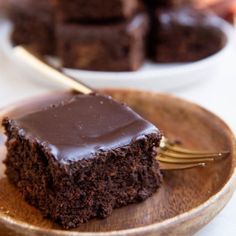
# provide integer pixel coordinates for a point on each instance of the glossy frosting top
(79, 127)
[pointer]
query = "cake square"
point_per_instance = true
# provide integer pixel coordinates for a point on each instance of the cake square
(183, 35)
(94, 10)
(33, 24)
(81, 158)
(118, 46)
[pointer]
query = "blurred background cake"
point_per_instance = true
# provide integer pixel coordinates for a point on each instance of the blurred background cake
(115, 46)
(184, 35)
(119, 35)
(33, 24)
(94, 10)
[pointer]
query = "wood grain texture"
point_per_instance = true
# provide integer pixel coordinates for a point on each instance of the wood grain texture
(186, 201)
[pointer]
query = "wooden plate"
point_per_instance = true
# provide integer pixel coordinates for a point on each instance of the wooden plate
(187, 200)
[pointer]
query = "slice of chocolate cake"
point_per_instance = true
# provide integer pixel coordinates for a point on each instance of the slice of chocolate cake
(82, 158)
(185, 35)
(94, 10)
(33, 24)
(118, 46)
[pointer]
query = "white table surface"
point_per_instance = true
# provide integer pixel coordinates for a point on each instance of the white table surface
(217, 95)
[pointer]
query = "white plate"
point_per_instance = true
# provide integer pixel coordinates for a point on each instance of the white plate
(150, 77)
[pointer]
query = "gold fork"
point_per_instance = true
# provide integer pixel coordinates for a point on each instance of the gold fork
(171, 156)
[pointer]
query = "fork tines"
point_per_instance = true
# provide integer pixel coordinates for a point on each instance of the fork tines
(173, 157)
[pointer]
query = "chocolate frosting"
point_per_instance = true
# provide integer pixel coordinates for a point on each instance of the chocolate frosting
(83, 125)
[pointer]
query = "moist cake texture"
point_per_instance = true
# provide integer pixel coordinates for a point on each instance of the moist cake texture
(118, 46)
(82, 157)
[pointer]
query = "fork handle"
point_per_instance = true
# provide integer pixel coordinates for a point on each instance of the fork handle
(51, 72)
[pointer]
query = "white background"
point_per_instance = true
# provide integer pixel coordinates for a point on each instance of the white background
(218, 94)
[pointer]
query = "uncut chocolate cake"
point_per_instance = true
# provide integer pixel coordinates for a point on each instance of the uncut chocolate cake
(81, 158)
(118, 46)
